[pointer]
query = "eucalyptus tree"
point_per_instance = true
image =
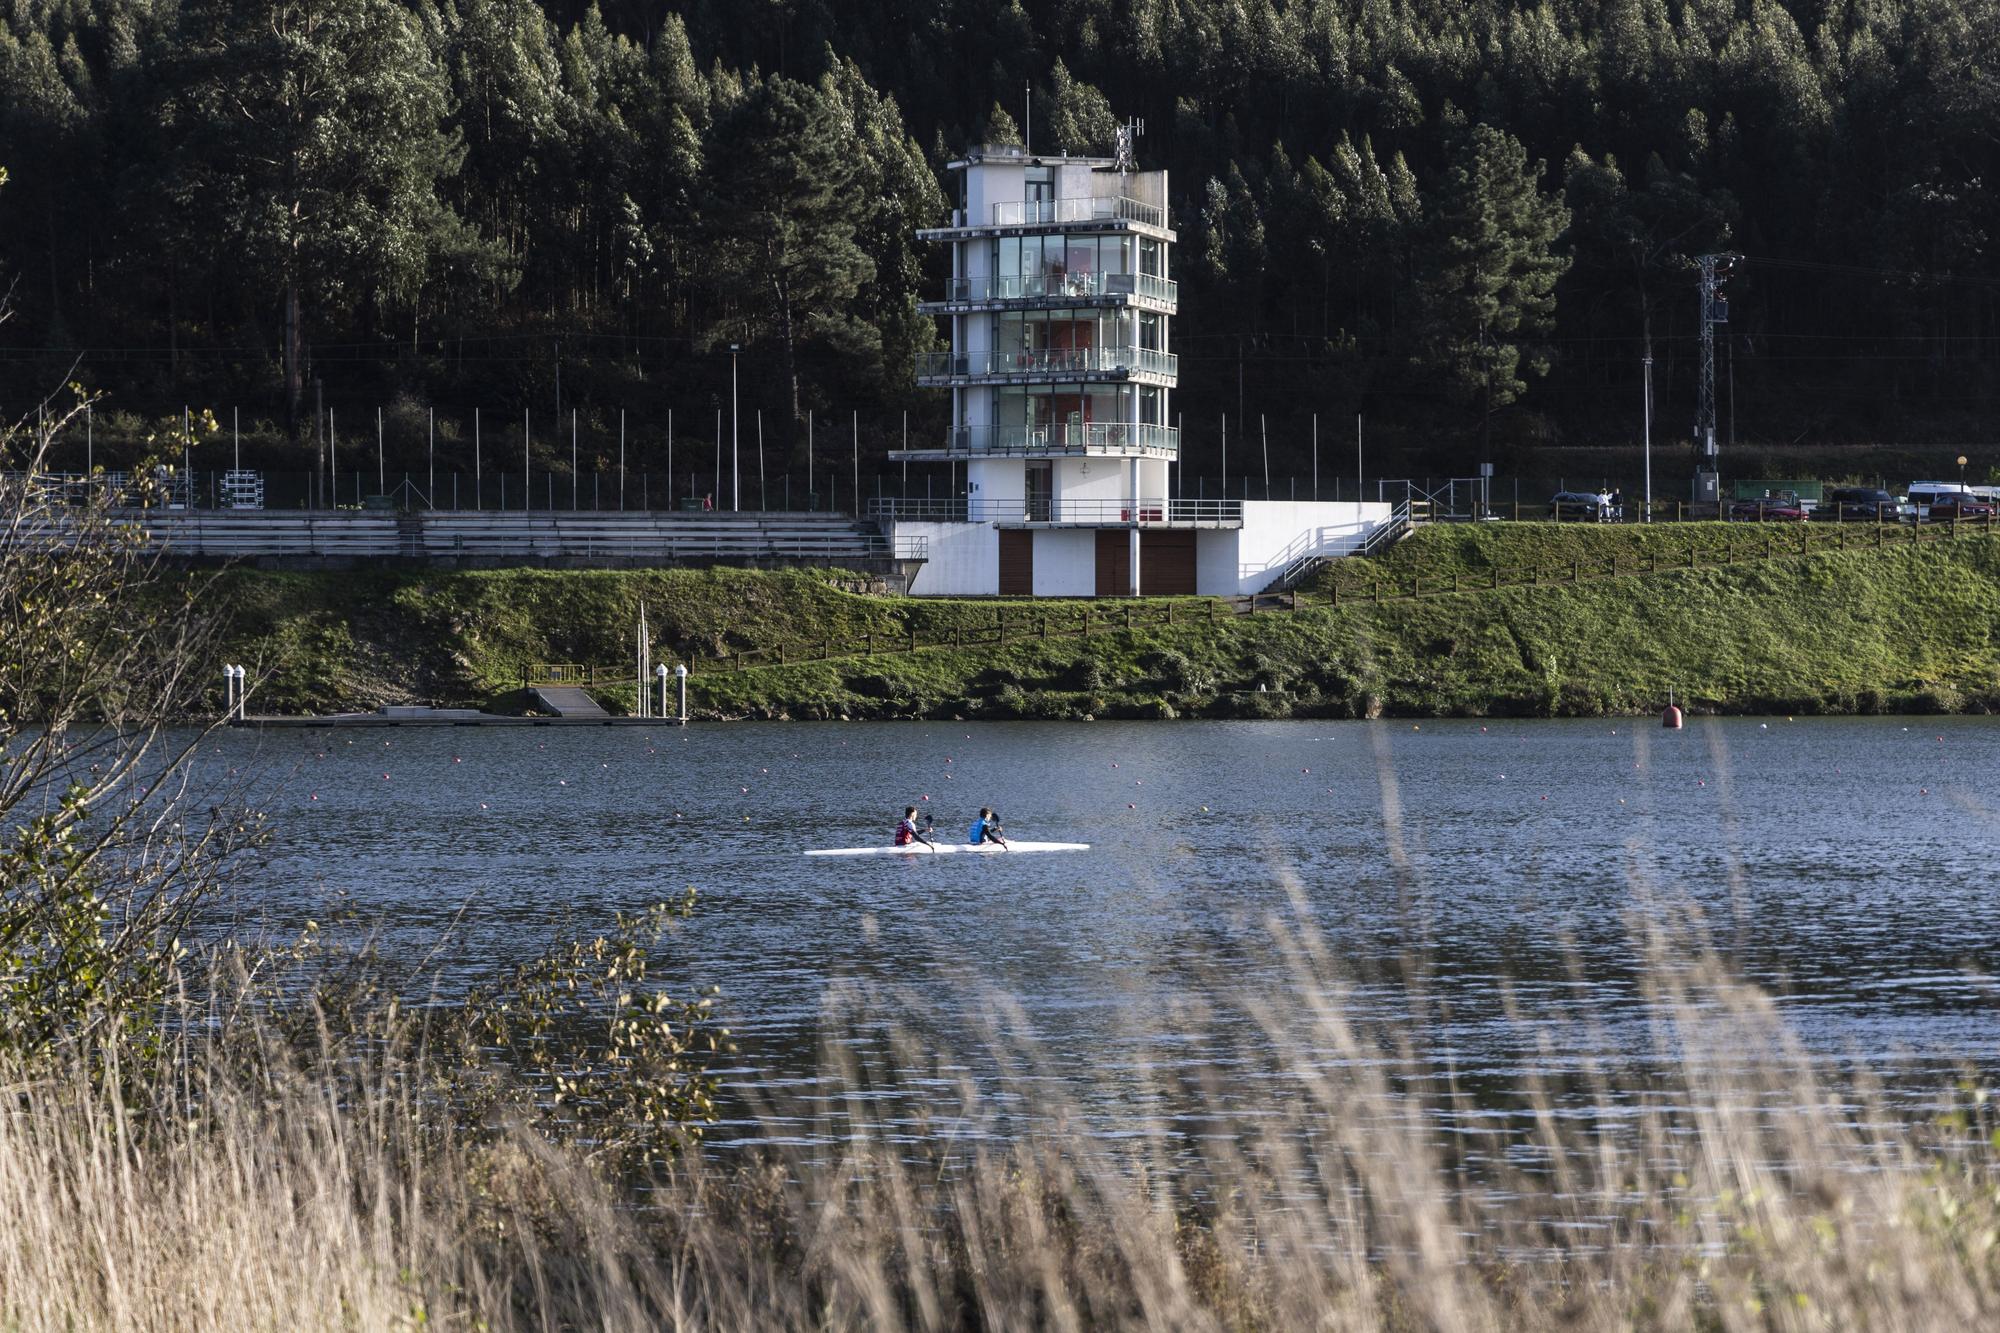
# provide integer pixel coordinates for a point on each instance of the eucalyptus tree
(315, 135)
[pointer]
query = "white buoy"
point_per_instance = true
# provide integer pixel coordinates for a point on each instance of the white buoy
(681, 675)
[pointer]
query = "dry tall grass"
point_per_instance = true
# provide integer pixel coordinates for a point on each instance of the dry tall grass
(1740, 1194)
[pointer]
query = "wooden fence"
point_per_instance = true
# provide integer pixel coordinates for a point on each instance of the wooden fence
(1765, 543)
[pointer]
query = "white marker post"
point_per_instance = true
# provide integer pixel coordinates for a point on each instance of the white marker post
(661, 672)
(681, 675)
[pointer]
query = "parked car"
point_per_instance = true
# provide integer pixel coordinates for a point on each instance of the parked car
(1858, 504)
(1943, 501)
(1949, 508)
(1578, 506)
(1784, 507)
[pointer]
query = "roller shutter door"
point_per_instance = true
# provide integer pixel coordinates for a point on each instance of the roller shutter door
(1017, 563)
(1166, 563)
(1114, 562)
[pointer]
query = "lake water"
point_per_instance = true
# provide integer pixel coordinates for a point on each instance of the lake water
(1848, 864)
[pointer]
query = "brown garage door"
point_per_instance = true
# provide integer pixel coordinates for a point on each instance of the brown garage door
(1166, 564)
(1017, 563)
(1114, 562)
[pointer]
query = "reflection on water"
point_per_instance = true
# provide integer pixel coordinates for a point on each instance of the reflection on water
(1847, 864)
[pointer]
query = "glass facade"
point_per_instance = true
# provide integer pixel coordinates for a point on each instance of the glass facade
(1047, 263)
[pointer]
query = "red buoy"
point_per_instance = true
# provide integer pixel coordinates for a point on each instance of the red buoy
(1671, 719)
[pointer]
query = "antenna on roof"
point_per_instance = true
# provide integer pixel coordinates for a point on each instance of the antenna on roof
(1028, 117)
(1128, 137)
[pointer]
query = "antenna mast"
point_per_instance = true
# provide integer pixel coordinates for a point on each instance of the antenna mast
(1715, 270)
(1128, 145)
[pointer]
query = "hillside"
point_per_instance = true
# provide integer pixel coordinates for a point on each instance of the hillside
(557, 213)
(1894, 630)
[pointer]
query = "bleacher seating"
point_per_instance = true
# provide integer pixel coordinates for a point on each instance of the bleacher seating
(535, 536)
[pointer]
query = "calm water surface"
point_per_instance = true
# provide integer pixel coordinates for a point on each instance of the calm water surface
(1853, 865)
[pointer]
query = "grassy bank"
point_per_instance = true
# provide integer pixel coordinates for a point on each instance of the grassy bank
(1893, 630)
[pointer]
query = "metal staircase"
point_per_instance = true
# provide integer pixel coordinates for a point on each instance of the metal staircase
(1380, 538)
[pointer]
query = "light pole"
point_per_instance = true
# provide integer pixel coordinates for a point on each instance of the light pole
(735, 469)
(1647, 514)
(1961, 474)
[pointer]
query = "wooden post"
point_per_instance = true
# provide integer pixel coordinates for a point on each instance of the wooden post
(1128, 616)
(1576, 574)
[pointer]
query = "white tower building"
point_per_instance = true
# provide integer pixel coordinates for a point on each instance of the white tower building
(1061, 307)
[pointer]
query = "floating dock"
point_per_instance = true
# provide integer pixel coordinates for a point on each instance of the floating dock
(415, 716)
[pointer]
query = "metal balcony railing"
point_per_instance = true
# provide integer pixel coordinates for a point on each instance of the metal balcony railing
(1049, 363)
(1144, 513)
(1095, 437)
(1107, 208)
(1062, 286)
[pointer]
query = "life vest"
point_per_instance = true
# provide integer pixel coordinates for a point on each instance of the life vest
(906, 833)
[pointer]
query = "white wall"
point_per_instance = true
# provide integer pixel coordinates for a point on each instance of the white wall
(990, 183)
(997, 480)
(1108, 479)
(1065, 562)
(964, 558)
(1231, 562)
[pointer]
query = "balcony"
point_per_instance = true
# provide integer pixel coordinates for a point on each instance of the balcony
(1094, 208)
(1048, 364)
(1122, 439)
(1097, 213)
(1050, 290)
(1057, 513)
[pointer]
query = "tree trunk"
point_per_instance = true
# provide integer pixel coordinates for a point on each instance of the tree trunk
(292, 372)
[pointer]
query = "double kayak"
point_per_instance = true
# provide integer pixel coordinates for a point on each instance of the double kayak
(952, 848)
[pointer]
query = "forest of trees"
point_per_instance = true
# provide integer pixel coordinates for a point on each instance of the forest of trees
(1469, 219)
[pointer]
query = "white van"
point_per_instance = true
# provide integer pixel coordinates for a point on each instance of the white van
(1951, 494)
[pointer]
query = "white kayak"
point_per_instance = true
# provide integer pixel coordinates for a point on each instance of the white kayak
(951, 848)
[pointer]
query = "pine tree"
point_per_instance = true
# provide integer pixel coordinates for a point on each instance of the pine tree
(781, 219)
(1489, 288)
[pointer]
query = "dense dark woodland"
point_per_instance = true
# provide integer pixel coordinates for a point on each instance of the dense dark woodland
(1454, 216)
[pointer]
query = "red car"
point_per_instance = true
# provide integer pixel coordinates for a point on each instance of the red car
(1770, 509)
(1947, 508)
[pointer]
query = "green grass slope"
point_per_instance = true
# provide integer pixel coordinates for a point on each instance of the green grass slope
(1897, 629)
